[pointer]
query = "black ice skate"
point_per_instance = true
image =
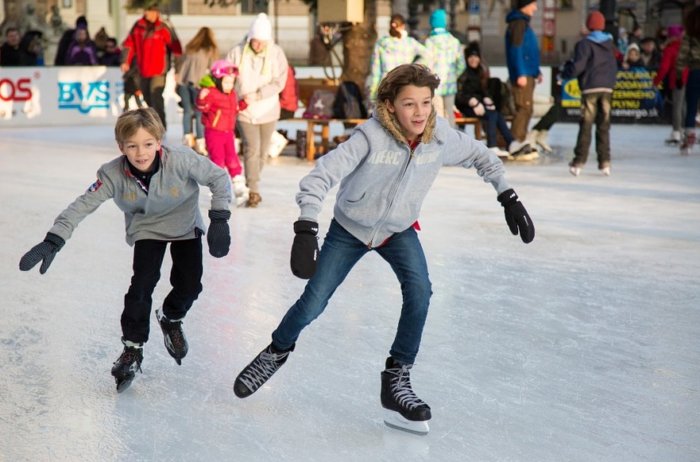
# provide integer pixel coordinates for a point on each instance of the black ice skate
(125, 367)
(259, 371)
(403, 409)
(173, 337)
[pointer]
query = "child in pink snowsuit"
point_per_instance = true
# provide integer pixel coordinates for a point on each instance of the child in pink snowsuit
(219, 105)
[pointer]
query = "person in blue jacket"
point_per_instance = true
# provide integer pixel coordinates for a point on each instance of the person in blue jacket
(523, 59)
(595, 67)
(385, 169)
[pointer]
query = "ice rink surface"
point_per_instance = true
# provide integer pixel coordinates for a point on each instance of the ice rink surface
(582, 346)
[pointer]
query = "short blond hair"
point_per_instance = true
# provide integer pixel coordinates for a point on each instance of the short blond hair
(130, 121)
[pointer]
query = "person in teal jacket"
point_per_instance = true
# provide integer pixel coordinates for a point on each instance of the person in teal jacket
(157, 188)
(523, 59)
(385, 169)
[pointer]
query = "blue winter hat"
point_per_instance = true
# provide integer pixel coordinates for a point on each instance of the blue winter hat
(438, 20)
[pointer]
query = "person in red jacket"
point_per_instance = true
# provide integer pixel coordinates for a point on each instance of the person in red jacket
(674, 83)
(150, 43)
(289, 97)
(218, 103)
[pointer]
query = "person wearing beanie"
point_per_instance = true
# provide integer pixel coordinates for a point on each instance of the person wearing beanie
(262, 67)
(595, 66)
(67, 39)
(393, 50)
(523, 60)
(673, 82)
(475, 99)
(448, 64)
(149, 45)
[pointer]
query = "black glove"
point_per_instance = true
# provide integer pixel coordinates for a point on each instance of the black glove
(304, 249)
(45, 251)
(218, 235)
(516, 216)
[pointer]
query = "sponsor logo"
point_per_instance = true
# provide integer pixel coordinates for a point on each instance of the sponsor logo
(83, 97)
(16, 90)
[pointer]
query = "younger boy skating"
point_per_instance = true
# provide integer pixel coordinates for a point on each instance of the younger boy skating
(157, 188)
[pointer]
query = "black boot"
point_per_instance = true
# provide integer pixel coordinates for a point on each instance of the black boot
(125, 367)
(173, 337)
(259, 371)
(405, 410)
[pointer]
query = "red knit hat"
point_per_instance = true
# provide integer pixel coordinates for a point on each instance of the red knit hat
(595, 21)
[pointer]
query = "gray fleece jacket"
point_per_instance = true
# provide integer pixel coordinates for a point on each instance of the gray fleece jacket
(383, 182)
(170, 210)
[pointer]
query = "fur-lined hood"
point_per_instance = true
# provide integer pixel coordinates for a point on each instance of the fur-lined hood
(389, 122)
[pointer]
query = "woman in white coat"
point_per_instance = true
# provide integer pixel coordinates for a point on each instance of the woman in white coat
(262, 68)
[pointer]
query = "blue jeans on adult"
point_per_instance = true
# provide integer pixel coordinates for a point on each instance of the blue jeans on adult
(188, 96)
(692, 97)
(338, 255)
(495, 122)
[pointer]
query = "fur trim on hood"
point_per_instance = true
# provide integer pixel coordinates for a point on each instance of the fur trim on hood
(390, 124)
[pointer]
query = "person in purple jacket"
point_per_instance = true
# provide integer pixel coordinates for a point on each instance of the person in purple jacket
(385, 170)
(157, 188)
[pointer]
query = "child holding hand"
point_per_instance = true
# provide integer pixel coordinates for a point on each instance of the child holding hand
(219, 106)
(157, 188)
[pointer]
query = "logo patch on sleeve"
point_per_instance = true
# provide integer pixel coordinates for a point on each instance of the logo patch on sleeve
(95, 186)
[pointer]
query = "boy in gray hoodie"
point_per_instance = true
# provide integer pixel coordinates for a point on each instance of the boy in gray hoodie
(157, 188)
(385, 170)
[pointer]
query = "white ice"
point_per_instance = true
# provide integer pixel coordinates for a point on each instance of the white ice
(582, 346)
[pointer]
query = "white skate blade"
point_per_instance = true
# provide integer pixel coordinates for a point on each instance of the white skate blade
(395, 420)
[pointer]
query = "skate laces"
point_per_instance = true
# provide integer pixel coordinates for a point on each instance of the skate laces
(262, 368)
(401, 387)
(177, 339)
(131, 355)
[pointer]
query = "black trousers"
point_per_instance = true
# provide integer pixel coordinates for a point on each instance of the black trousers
(185, 278)
(152, 89)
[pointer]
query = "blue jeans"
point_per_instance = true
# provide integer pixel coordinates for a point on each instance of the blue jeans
(188, 96)
(339, 254)
(692, 96)
(495, 122)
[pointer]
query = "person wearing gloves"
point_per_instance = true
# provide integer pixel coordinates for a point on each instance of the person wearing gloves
(448, 63)
(157, 188)
(595, 67)
(385, 170)
(262, 68)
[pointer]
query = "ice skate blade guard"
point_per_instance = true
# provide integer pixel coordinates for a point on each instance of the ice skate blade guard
(396, 421)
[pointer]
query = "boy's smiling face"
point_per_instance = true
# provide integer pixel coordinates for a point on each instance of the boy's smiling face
(412, 107)
(141, 149)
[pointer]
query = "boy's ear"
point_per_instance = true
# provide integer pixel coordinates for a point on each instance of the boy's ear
(389, 105)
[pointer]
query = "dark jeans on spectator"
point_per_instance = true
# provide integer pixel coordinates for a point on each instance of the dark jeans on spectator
(185, 278)
(692, 97)
(595, 108)
(152, 89)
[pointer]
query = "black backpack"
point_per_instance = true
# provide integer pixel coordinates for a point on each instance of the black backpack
(348, 102)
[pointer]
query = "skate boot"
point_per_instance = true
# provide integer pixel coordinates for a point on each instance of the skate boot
(541, 139)
(188, 140)
(522, 151)
(674, 139)
(173, 337)
(574, 169)
(240, 190)
(129, 362)
(259, 371)
(403, 409)
(200, 147)
(688, 142)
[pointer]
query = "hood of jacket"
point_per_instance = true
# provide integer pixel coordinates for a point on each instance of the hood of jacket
(598, 36)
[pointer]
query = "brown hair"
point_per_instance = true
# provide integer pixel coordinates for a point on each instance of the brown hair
(406, 74)
(203, 40)
(129, 123)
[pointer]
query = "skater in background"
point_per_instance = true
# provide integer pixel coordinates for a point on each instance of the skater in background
(673, 83)
(219, 106)
(262, 66)
(595, 67)
(157, 188)
(689, 57)
(132, 88)
(448, 63)
(200, 53)
(385, 169)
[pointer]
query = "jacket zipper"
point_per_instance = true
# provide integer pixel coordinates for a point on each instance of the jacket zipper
(392, 195)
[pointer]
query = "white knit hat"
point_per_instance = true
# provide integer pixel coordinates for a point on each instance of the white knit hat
(261, 29)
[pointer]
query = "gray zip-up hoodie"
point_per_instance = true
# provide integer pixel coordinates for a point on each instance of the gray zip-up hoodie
(170, 209)
(382, 182)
